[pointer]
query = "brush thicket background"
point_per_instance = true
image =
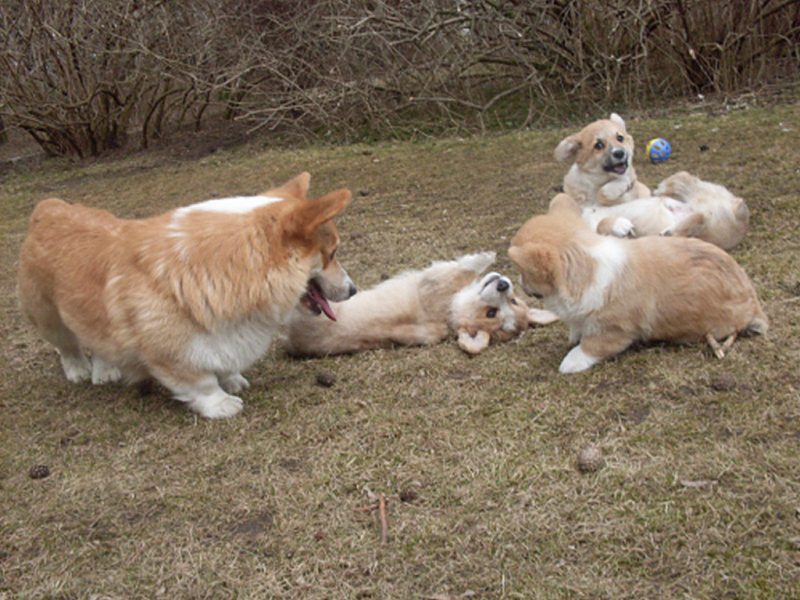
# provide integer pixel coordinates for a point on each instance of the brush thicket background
(700, 495)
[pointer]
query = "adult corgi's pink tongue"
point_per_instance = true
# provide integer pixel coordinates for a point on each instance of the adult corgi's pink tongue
(315, 300)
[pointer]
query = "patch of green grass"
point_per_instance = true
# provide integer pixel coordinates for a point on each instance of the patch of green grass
(699, 497)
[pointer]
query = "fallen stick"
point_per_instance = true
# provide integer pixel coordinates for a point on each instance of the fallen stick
(384, 522)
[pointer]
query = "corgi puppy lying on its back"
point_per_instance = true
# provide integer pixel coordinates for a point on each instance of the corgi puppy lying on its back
(192, 297)
(419, 308)
(682, 205)
(613, 292)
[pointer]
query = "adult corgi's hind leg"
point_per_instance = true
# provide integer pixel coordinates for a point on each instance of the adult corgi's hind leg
(45, 317)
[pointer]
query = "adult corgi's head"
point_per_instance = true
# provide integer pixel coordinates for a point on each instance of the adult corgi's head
(308, 229)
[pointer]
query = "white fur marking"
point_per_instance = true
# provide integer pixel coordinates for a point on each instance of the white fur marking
(576, 361)
(236, 205)
(104, 372)
(610, 256)
(233, 346)
(76, 369)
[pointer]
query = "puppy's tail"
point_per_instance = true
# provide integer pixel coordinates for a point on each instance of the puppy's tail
(477, 263)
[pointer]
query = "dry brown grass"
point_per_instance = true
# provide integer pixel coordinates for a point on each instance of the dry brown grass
(700, 497)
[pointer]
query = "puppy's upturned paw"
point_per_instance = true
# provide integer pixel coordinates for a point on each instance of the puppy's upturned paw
(623, 228)
(576, 361)
(103, 372)
(473, 344)
(217, 406)
(611, 192)
(76, 369)
(233, 383)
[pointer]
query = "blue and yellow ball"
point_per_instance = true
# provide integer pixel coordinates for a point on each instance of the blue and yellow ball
(658, 150)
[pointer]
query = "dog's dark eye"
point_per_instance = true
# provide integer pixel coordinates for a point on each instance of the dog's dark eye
(514, 301)
(620, 137)
(599, 146)
(333, 255)
(491, 313)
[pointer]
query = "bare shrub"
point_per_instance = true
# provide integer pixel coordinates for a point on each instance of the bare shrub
(81, 76)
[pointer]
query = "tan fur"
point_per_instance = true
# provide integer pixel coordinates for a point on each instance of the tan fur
(682, 205)
(593, 151)
(191, 297)
(416, 308)
(613, 292)
(724, 218)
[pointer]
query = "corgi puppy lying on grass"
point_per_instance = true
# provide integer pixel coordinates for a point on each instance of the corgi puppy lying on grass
(681, 205)
(613, 292)
(418, 308)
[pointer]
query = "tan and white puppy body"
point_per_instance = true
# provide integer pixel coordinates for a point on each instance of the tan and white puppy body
(602, 171)
(192, 297)
(682, 205)
(613, 292)
(420, 308)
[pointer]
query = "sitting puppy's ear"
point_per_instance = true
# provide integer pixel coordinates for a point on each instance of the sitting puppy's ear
(472, 344)
(567, 149)
(618, 120)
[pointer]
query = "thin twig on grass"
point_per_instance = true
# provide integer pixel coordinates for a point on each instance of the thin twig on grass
(380, 506)
(384, 521)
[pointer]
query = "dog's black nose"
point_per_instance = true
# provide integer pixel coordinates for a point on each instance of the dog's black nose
(352, 291)
(618, 154)
(502, 285)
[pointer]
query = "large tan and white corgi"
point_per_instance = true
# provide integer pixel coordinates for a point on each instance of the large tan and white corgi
(612, 292)
(192, 297)
(419, 308)
(602, 171)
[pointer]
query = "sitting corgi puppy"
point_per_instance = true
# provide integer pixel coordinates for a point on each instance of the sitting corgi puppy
(420, 308)
(682, 205)
(602, 170)
(192, 297)
(613, 292)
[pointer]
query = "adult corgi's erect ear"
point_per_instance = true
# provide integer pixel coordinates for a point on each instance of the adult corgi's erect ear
(297, 187)
(307, 216)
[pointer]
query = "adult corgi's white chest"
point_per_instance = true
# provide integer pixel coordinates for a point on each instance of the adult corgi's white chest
(232, 346)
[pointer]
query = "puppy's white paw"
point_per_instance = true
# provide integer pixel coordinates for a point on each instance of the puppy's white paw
(623, 228)
(103, 372)
(614, 190)
(217, 406)
(576, 361)
(76, 369)
(233, 383)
